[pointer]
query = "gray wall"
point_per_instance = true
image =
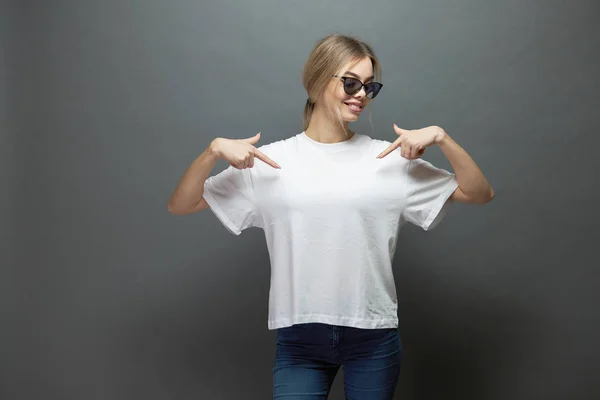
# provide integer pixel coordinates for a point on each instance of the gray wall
(9, 309)
(112, 297)
(6, 149)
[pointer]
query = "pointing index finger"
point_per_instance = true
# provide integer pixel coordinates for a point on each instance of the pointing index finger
(387, 151)
(258, 154)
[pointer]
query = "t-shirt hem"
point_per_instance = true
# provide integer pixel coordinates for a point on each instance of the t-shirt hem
(219, 213)
(355, 322)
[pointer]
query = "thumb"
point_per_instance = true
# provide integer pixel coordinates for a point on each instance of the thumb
(398, 130)
(252, 139)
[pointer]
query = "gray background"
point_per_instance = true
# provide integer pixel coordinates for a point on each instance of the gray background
(104, 104)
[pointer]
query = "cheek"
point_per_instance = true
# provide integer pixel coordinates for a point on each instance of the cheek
(331, 98)
(336, 93)
(340, 93)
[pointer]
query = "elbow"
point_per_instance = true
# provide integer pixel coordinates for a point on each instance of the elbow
(172, 208)
(179, 208)
(175, 208)
(486, 197)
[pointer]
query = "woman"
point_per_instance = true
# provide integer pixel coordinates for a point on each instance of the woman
(331, 203)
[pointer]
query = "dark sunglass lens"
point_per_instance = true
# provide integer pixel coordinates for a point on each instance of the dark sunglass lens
(351, 85)
(373, 89)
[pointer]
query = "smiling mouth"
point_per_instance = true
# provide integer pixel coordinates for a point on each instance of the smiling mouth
(354, 107)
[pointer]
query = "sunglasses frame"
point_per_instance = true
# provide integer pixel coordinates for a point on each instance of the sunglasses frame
(362, 85)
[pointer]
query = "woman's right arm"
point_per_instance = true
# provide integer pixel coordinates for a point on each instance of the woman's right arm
(239, 153)
(188, 195)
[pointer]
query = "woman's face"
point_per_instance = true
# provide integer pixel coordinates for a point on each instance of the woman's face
(335, 98)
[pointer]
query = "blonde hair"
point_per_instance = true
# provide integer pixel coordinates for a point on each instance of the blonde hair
(329, 55)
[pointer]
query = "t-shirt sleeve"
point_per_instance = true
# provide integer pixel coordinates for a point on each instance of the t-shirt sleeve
(231, 198)
(428, 189)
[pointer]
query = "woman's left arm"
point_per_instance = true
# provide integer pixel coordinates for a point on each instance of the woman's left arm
(472, 188)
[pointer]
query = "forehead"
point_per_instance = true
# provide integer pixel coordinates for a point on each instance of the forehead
(363, 68)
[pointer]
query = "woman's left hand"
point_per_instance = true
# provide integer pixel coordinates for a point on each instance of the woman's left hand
(413, 142)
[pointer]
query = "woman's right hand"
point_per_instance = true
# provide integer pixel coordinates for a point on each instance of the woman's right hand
(240, 153)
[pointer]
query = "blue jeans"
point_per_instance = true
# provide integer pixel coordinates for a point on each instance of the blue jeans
(309, 356)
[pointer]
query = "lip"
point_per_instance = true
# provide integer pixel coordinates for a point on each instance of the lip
(352, 103)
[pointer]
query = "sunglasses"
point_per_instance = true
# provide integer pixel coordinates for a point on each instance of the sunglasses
(353, 86)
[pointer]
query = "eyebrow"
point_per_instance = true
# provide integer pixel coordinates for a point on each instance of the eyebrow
(356, 76)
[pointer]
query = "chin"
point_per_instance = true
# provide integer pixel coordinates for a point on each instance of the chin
(350, 117)
(345, 114)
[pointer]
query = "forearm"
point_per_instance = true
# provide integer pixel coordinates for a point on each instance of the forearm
(471, 180)
(190, 189)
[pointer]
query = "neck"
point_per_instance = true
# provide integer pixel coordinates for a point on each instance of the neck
(326, 128)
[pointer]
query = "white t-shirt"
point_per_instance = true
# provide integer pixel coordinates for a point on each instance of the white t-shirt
(331, 216)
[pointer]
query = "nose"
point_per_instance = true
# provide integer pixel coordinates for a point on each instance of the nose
(361, 94)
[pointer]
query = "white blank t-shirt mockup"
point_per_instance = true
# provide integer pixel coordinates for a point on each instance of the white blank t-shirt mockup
(331, 217)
